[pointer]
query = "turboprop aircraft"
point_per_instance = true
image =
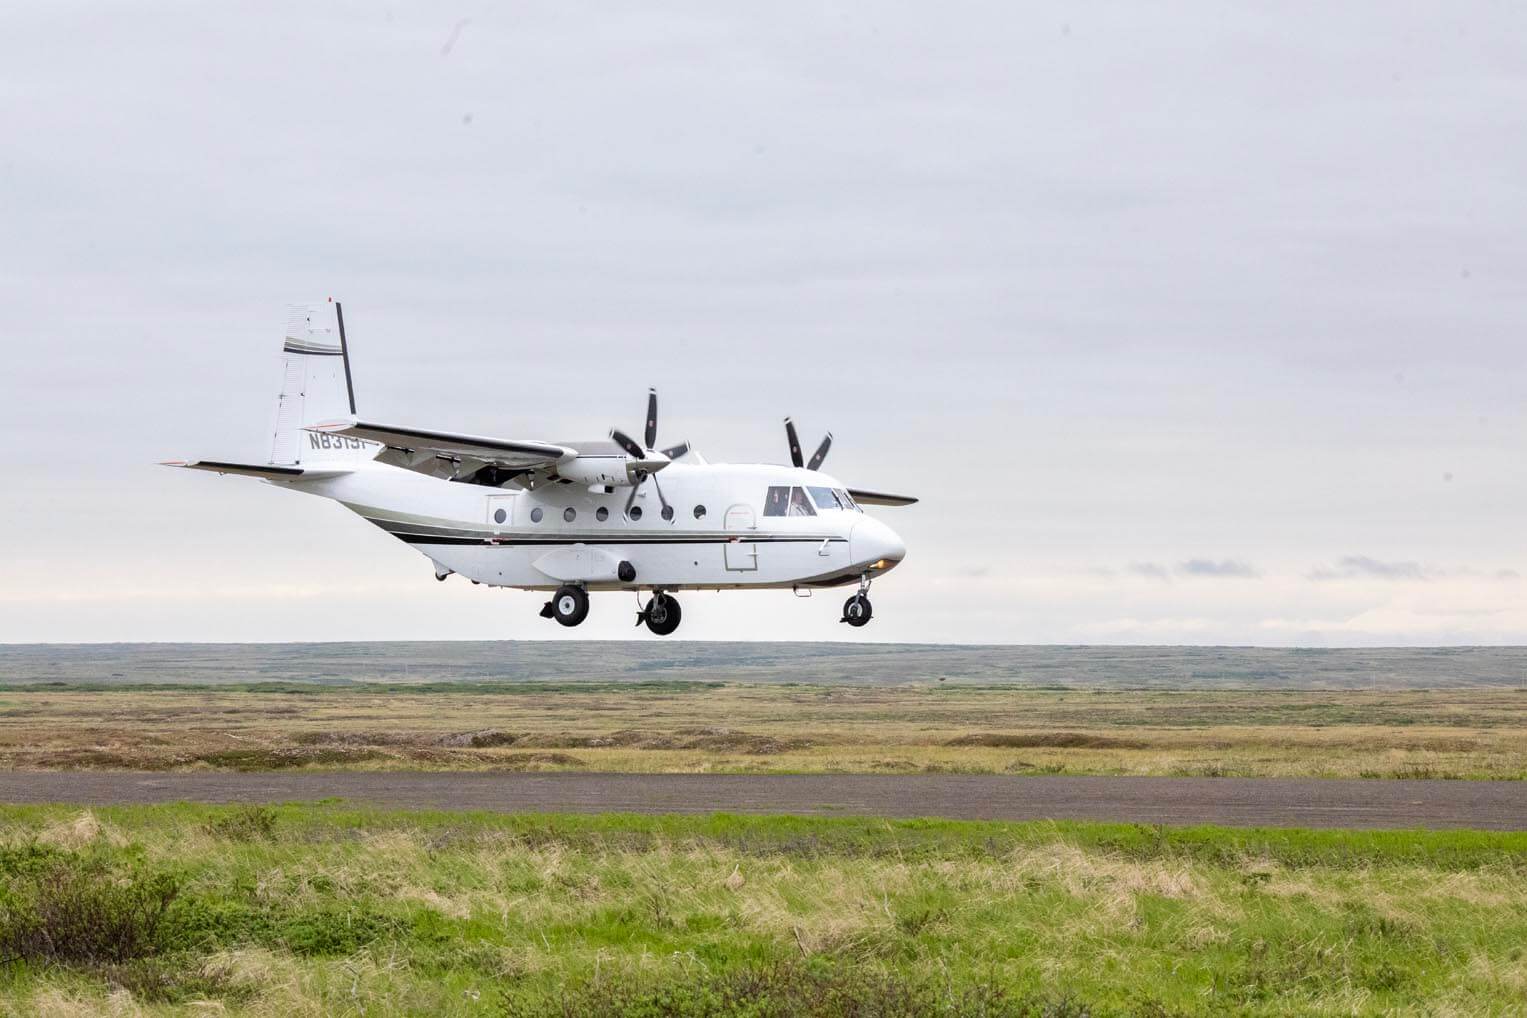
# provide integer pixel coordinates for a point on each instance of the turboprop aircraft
(569, 517)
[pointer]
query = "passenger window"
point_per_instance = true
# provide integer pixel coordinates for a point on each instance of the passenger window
(825, 498)
(800, 505)
(601, 514)
(535, 515)
(699, 512)
(777, 502)
(569, 514)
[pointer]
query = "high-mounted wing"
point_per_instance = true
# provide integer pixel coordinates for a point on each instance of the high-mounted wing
(269, 471)
(422, 450)
(880, 498)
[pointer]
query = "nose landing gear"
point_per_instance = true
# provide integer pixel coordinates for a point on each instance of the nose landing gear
(857, 610)
(661, 614)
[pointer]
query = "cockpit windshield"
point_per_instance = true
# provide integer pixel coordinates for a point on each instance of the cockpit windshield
(825, 498)
(832, 498)
(783, 501)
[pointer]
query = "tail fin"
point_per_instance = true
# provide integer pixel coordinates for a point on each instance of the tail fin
(315, 386)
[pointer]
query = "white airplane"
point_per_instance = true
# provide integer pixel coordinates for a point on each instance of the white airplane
(569, 517)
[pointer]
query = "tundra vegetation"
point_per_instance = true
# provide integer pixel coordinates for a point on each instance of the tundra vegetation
(323, 910)
(1454, 732)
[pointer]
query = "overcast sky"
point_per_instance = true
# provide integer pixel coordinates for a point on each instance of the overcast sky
(1187, 325)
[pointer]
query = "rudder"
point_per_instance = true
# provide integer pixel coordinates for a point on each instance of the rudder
(315, 386)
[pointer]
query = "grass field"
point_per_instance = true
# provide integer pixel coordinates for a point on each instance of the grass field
(864, 664)
(693, 727)
(322, 910)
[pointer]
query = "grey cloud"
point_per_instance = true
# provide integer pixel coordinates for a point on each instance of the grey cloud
(1362, 567)
(1194, 567)
(1223, 567)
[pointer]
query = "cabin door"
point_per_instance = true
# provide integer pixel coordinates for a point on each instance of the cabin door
(741, 550)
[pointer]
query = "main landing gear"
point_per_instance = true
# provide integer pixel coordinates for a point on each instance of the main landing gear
(661, 614)
(569, 606)
(857, 610)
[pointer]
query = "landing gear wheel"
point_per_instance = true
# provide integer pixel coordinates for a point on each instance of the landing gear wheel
(857, 611)
(569, 605)
(662, 614)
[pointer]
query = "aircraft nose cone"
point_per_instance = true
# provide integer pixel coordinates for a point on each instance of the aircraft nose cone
(871, 541)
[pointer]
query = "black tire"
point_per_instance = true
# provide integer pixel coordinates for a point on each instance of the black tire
(570, 605)
(663, 614)
(857, 611)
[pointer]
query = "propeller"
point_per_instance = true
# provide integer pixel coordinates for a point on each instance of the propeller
(646, 459)
(795, 448)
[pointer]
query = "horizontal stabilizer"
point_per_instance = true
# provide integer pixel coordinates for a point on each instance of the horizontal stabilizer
(269, 471)
(880, 498)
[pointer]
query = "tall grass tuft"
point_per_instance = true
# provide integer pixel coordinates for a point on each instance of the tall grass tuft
(788, 989)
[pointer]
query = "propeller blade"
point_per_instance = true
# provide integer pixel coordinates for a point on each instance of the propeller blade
(821, 453)
(660, 499)
(651, 433)
(634, 489)
(795, 443)
(673, 452)
(625, 441)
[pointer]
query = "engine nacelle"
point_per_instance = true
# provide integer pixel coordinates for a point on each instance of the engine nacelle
(599, 470)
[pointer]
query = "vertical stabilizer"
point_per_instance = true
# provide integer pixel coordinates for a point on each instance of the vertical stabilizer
(315, 386)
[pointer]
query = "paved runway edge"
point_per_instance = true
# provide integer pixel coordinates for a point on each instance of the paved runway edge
(1235, 802)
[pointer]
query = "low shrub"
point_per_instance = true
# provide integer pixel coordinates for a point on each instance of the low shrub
(78, 910)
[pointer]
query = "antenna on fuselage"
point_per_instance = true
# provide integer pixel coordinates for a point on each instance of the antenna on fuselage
(344, 352)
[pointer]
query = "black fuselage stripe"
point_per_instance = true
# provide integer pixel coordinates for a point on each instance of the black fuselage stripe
(423, 533)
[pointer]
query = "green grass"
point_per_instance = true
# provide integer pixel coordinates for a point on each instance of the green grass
(320, 909)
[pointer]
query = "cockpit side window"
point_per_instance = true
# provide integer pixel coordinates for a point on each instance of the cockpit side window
(847, 500)
(800, 505)
(826, 498)
(777, 502)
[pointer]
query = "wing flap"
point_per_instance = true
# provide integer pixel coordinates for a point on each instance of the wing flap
(498, 451)
(880, 498)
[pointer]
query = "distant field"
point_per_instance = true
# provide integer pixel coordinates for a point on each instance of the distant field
(322, 910)
(818, 663)
(772, 728)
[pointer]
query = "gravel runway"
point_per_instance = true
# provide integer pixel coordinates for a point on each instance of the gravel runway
(1237, 802)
